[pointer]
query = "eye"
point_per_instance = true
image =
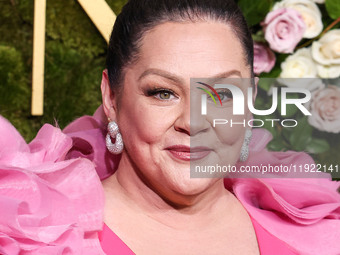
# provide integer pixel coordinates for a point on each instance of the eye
(224, 94)
(164, 95)
(161, 94)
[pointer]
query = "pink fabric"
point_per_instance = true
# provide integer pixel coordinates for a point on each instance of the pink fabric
(52, 201)
(302, 212)
(88, 135)
(268, 244)
(49, 205)
(112, 244)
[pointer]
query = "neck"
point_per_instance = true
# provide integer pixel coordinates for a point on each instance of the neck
(170, 209)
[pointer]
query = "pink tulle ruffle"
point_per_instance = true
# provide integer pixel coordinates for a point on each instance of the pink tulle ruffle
(49, 205)
(302, 212)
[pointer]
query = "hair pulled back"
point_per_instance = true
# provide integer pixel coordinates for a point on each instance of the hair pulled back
(140, 16)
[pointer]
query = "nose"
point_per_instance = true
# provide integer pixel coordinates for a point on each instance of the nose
(190, 120)
(198, 122)
(182, 123)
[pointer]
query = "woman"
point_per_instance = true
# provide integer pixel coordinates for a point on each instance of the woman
(151, 204)
(152, 185)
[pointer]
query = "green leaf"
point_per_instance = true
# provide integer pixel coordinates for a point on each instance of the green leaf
(317, 146)
(287, 133)
(255, 11)
(259, 37)
(275, 72)
(333, 8)
(301, 135)
(268, 124)
(265, 84)
(276, 145)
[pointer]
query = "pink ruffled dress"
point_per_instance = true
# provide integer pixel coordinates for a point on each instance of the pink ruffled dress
(51, 198)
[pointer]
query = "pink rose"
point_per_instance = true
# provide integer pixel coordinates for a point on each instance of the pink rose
(264, 58)
(284, 28)
(325, 109)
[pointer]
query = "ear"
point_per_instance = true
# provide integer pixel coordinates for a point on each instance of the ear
(108, 97)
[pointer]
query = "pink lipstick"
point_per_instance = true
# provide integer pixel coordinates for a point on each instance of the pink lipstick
(186, 153)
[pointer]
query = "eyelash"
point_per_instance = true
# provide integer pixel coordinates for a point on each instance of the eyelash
(227, 93)
(156, 91)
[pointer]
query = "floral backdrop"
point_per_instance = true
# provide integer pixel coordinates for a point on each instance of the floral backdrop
(294, 39)
(298, 41)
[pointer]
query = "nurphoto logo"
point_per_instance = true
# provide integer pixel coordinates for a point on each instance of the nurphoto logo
(238, 104)
(238, 99)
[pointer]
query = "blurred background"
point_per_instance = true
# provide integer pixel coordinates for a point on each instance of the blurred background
(309, 47)
(74, 60)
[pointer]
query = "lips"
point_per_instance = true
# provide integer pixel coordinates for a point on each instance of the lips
(186, 153)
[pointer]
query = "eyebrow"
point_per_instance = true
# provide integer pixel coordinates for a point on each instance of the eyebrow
(177, 79)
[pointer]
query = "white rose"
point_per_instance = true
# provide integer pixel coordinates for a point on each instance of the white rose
(328, 72)
(326, 51)
(309, 12)
(325, 109)
(298, 66)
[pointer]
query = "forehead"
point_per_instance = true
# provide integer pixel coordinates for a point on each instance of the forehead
(199, 49)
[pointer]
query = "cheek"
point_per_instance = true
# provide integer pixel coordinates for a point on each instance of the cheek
(232, 134)
(228, 128)
(143, 123)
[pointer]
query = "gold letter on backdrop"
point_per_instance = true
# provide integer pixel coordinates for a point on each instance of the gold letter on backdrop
(101, 15)
(38, 57)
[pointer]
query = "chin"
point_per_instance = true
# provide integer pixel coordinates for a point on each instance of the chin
(186, 186)
(185, 192)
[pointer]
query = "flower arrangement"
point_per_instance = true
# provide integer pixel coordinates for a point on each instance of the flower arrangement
(298, 42)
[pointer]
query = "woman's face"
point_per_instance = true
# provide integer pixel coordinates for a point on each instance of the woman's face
(154, 105)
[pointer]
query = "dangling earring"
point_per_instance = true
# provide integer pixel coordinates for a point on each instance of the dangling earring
(245, 147)
(113, 132)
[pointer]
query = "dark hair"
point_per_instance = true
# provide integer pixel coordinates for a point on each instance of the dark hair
(140, 16)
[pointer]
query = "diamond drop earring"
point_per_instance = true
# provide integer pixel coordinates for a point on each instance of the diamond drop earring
(113, 133)
(245, 147)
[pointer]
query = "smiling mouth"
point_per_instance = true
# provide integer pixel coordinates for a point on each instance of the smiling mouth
(186, 153)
